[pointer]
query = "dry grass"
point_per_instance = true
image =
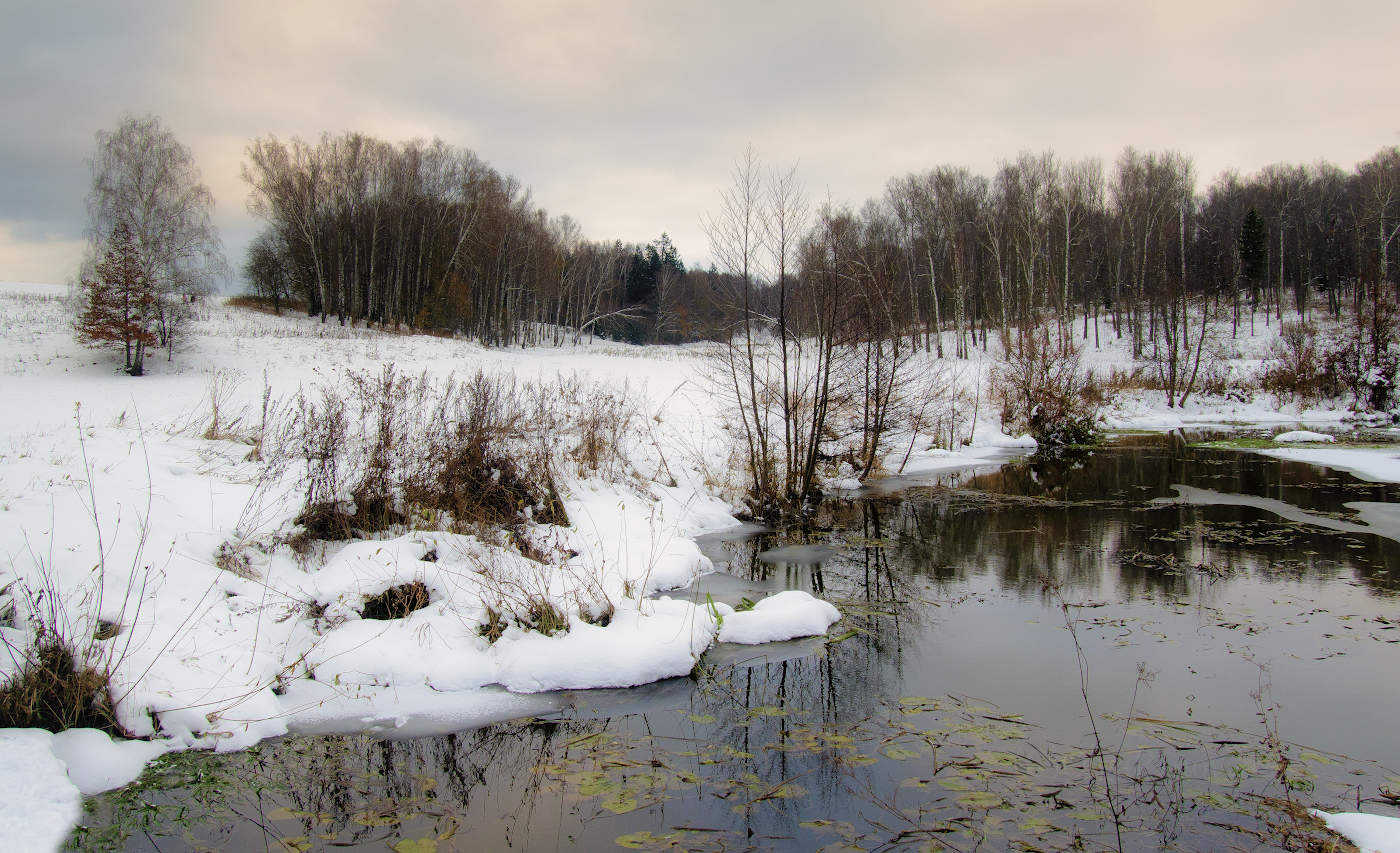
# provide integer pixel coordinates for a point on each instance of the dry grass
(396, 602)
(56, 689)
(379, 450)
(1044, 390)
(253, 302)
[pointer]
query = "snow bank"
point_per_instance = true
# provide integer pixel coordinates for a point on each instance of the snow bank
(1371, 833)
(1302, 435)
(97, 763)
(661, 639)
(1379, 465)
(38, 803)
(213, 657)
(784, 616)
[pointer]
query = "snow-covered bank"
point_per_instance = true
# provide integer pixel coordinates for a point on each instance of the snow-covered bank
(1370, 833)
(119, 494)
(1379, 465)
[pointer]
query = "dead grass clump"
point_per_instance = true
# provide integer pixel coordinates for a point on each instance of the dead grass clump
(320, 426)
(325, 520)
(376, 512)
(223, 423)
(230, 559)
(56, 690)
(482, 460)
(467, 455)
(253, 302)
(1044, 390)
(494, 627)
(1121, 379)
(1293, 369)
(495, 490)
(600, 419)
(396, 602)
(541, 615)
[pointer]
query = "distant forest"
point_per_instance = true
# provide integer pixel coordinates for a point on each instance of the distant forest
(430, 237)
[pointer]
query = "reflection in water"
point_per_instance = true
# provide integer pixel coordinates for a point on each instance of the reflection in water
(944, 712)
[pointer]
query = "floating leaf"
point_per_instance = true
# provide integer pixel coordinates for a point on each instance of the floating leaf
(787, 791)
(598, 787)
(981, 800)
(1318, 757)
(642, 840)
(621, 802)
(645, 781)
(415, 845)
(367, 818)
(702, 719)
(767, 711)
(898, 753)
(1038, 826)
(840, 827)
(296, 843)
(999, 759)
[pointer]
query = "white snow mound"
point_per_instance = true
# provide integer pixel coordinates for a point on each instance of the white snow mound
(1371, 833)
(38, 803)
(97, 763)
(784, 616)
(1302, 435)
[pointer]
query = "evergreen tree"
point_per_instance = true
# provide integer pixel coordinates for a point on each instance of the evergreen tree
(1253, 241)
(119, 301)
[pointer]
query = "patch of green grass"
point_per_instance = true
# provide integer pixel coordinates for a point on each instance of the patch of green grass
(1258, 443)
(1242, 443)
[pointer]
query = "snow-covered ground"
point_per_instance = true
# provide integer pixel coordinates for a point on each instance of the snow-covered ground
(112, 501)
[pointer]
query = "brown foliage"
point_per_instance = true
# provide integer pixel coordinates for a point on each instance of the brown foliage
(56, 690)
(396, 602)
(120, 301)
(1043, 390)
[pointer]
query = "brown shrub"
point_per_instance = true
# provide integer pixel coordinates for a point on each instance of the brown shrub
(396, 602)
(1293, 370)
(1043, 390)
(254, 302)
(56, 690)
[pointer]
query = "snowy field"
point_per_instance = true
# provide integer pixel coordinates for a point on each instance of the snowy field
(117, 507)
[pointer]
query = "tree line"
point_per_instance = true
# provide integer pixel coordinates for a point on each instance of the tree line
(428, 236)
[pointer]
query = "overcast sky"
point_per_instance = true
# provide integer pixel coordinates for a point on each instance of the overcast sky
(628, 115)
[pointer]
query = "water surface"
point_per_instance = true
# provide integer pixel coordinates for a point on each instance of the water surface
(1051, 655)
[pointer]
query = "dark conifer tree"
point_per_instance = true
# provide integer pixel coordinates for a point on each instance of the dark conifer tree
(1253, 249)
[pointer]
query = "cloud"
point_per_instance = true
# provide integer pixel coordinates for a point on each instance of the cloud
(26, 256)
(627, 114)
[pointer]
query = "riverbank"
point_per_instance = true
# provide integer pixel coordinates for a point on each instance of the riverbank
(135, 503)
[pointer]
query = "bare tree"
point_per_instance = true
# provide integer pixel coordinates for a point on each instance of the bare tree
(784, 223)
(1378, 185)
(145, 179)
(736, 235)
